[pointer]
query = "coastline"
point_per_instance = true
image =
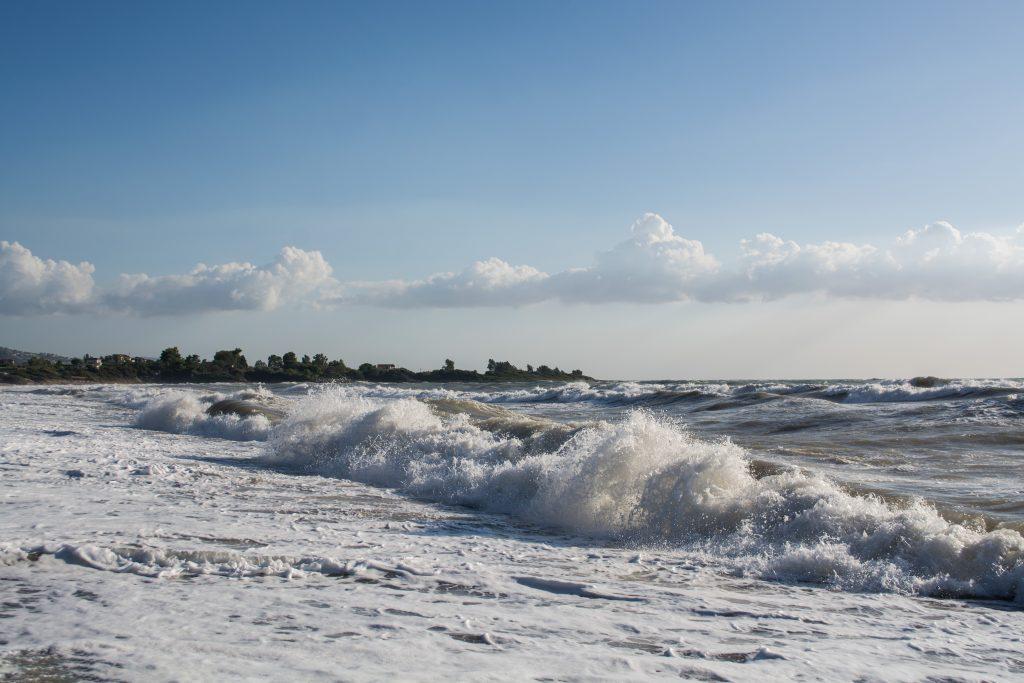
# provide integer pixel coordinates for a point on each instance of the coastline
(7, 379)
(232, 366)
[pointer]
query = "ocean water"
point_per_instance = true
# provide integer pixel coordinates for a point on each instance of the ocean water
(840, 530)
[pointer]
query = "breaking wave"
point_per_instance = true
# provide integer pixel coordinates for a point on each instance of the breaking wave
(898, 391)
(659, 394)
(663, 394)
(647, 480)
(181, 412)
(617, 394)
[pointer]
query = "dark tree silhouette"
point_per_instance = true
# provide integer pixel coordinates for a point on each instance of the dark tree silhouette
(231, 365)
(170, 357)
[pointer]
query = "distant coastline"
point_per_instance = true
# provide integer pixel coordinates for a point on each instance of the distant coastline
(232, 366)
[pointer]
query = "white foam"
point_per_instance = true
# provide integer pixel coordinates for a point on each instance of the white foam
(167, 544)
(547, 392)
(648, 480)
(185, 413)
(165, 563)
(895, 391)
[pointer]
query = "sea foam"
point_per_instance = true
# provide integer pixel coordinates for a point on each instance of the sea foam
(186, 413)
(645, 479)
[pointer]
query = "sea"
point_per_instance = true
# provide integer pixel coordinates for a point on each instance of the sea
(853, 530)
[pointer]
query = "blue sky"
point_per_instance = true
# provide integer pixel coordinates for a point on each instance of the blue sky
(401, 140)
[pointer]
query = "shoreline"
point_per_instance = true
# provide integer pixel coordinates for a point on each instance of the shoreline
(232, 366)
(17, 380)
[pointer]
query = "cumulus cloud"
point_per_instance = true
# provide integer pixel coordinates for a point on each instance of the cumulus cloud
(295, 275)
(942, 263)
(492, 282)
(655, 264)
(936, 262)
(771, 267)
(31, 286)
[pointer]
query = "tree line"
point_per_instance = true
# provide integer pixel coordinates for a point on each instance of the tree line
(231, 365)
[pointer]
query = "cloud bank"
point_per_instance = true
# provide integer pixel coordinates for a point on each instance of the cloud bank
(653, 265)
(295, 275)
(936, 262)
(492, 282)
(30, 285)
(656, 265)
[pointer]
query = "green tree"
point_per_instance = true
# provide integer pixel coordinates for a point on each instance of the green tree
(230, 359)
(449, 365)
(170, 358)
(290, 360)
(275, 362)
(225, 358)
(320, 361)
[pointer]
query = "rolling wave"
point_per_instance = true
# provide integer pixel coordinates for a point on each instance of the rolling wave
(645, 479)
(662, 394)
(245, 415)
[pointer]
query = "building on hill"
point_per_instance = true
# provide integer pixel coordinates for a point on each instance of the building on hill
(92, 362)
(385, 366)
(117, 359)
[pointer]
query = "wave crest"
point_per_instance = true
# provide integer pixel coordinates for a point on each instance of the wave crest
(649, 480)
(186, 413)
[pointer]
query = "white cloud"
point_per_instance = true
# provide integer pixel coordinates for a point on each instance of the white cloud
(295, 275)
(491, 282)
(655, 264)
(31, 286)
(939, 262)
(936, 262)
(771, 268)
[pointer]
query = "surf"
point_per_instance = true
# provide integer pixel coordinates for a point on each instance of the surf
(644, 479)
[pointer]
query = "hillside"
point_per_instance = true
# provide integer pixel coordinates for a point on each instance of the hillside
(21, 357)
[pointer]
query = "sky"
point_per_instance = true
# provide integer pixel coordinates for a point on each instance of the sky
(639, 189)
